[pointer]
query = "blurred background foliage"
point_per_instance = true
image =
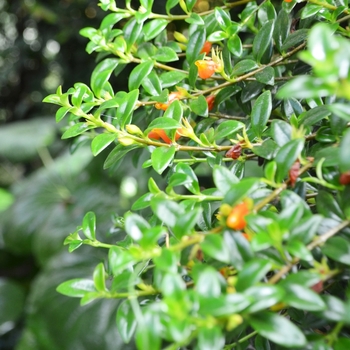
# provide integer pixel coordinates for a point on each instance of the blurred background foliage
(44, 189)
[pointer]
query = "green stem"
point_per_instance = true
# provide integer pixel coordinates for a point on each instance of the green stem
(333, 336)
(231, 346)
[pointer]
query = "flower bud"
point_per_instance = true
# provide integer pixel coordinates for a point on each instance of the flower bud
(133, 129)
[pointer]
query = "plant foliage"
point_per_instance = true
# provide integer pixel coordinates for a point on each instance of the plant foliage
(259, 256)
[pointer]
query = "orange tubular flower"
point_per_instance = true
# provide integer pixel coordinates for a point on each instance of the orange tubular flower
(159, 134)
(235, 219)
(210, 100)
(206, 48)
(175, 95)
(206, 68)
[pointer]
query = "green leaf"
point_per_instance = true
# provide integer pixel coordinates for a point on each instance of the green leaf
(167, 261)
(262, 40)
(223, 178)
(286, 156)
(314, 115)
(135, 225)
(303, 298)
(162, 157)
(119, 260)
(266, 76)
(277, 329)
(99, 278)
(263, 296)
(199, 106)
(223, 18)
(241, 190)
(208, 282)
(118, 153)
(100, 142)
(152, 84)
(166, 210)
(192, 185)
(101, 74)
(244, 66)
(6, 199)
(126, 108)
(294, 39)
(210, 338)
(195, 44)
(344, 159)
(261, 113)
(143, 202)
(154, 27)
(148, 332)
(281, 132)
(337, 248)
(215, 247)
(252, 272)
(267, 150)
(299, 250)
(336, 309)
(163, 123)
(132, 31)
(235, 46)
(126, 321)
(77, 129)
(140, 72)
(76, 288)
(89, 225)
(172, 78)
(166, 54)
(227, 128)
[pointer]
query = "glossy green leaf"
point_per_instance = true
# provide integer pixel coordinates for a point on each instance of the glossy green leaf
(244, 66)
(241, 190)
(277, 329)
(152, 28)
(227, 128)
(262, 40)
(139, 73)
(77, 287)
(132, 31)
(99, 278)
(252, 272)
(210, 338)
(163, 123)
(261, 113)
(208, 282)
(266, 76)
(215, 247)
(338, 248)
(344, 159)
(314, 115)
(89, 225)
(101, 74)
(281, 132)
(235, 45)
(195, 44)
(119, 260)
(223, 178)
(126, 321)
(303, 298)
(165, 54)
(100, 142)
(162, 157)
(223, 18)
(286, 156)
(126, 107)
(76, 129)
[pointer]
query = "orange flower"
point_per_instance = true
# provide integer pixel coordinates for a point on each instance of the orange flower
(287, 0)
(210, 100)
(206, 47)
(235, 219)
(206, 68)
(175, 95)
(159, 134)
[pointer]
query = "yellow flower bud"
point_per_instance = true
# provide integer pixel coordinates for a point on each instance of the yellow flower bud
(133, 129)
(180, 37)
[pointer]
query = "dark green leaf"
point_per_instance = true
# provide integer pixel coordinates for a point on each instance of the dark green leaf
(195, 44)
(139, 73)
(337, 248)
(286, 156)
(244, 66)
(215, 247)
(277, 329)
(261, 113)
(262, 40)
(101, 74)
